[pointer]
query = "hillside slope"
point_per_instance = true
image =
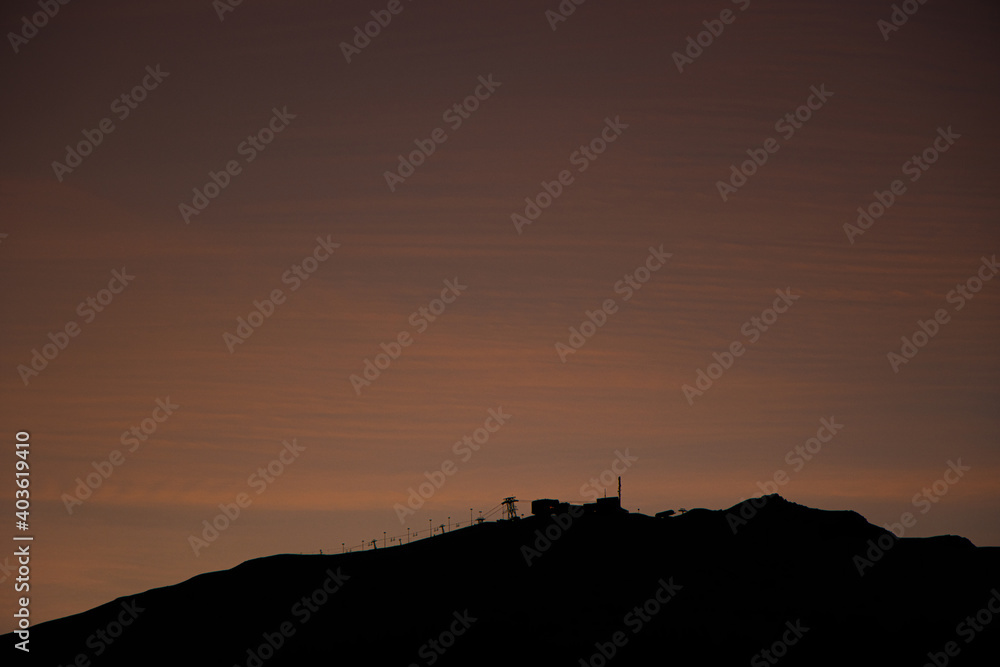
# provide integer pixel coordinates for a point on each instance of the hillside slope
(601, 589)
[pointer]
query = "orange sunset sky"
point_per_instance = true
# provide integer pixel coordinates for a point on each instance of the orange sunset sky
(887, 96)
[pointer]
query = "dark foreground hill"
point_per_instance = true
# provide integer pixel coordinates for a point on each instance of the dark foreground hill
(789, 585)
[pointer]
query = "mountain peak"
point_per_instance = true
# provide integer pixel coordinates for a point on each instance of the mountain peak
(567, 586)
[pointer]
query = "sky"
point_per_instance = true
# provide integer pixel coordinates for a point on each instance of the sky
(487, 250)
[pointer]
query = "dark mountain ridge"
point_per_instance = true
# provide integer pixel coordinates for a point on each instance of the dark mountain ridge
(765, 582)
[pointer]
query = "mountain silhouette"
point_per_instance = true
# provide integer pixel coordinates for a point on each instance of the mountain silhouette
(765, 582)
